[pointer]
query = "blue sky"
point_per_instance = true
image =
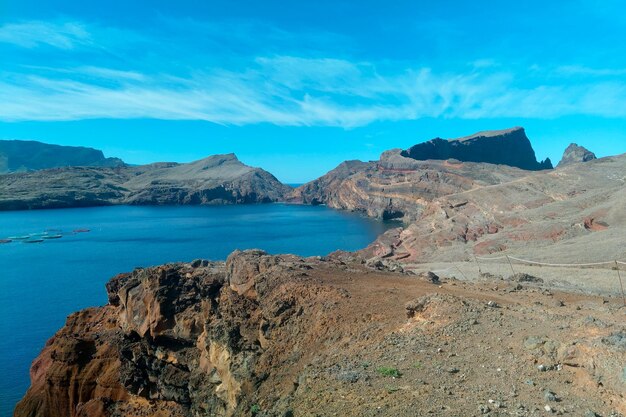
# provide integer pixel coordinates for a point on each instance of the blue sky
(297, 87)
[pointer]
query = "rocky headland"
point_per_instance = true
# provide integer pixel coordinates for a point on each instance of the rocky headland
(25, 155)
(402, 183)
(263, 335)
(453, 209)
(218, 179)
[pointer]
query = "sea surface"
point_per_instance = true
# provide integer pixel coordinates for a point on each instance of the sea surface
(41, 283)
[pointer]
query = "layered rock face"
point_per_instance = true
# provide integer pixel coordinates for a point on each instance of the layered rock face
(218, 179)
(505, 147)
(175, 340)
(21, 155)
(574, 214)
(453, 210)
(575, 154)
(397, 187)
(280, 336)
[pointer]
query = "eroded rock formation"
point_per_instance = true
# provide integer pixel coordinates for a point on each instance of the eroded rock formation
(285, 336)
(504, 147)
(575, 154)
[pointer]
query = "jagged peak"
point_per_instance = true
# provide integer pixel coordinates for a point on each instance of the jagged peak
(575, 153)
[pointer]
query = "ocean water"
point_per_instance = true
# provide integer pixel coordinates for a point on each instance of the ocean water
(41, 283)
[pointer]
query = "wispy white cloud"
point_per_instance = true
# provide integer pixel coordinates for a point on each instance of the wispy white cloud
(587, 71)
(33, 34)
(281, 89)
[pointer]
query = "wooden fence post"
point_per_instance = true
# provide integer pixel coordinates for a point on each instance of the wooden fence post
(621, 286)
(510, 264)
(478, 264)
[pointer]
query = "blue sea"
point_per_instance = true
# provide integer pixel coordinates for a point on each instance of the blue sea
(41, 283)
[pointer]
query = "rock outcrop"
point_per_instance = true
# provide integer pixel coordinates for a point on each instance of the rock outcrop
(22, 155)
(401, 184)
(277, 336)
(397, 187)
(504, 147)
(575, 154)
(218, 179)
(574, 214)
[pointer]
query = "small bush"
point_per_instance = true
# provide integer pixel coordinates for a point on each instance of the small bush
(255, 409)
(386, 371)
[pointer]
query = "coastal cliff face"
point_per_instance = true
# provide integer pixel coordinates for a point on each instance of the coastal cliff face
(397, 187)
(264, 335)
(505, 147)
(22, 155)
(218, 179)
(453, 210)
(176, 340)
(574, 214)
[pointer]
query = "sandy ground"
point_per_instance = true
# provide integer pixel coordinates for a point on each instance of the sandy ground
(588, 280)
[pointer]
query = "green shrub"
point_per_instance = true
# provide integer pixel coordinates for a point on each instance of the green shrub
(387, 371)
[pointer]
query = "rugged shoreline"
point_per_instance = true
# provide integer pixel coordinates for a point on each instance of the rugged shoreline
(288, 336)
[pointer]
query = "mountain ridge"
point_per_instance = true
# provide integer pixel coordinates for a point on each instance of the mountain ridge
(217, 179)
(29, 155)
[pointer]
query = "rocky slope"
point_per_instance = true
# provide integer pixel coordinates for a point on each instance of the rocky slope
(398, 187)
(506, 147)
(218, 179)
(575, 154)
(454, 210)
(572, 214)
(282, 336)
(22, 155)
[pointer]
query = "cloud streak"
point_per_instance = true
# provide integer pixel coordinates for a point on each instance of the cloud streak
(285, 90)
(34, 34)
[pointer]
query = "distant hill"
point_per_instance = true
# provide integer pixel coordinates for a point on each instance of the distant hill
(26, 155)
(217, 179)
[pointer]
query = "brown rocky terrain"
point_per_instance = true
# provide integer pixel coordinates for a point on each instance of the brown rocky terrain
(572, 214)
(396, 187)
(218, 179)
(266, 335)
(453, 210)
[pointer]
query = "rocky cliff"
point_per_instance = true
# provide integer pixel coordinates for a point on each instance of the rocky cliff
(453, 210)
(281, 336)
(504, 147)
(398, 187)
(218, 179)
(21, 155)
(575, 154)
(573, 214)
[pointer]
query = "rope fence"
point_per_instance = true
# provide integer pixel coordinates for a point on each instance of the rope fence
(615, 265)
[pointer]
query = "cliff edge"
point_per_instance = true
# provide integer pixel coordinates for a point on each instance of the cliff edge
(24, 155)
(279, 336)
(504, 147)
